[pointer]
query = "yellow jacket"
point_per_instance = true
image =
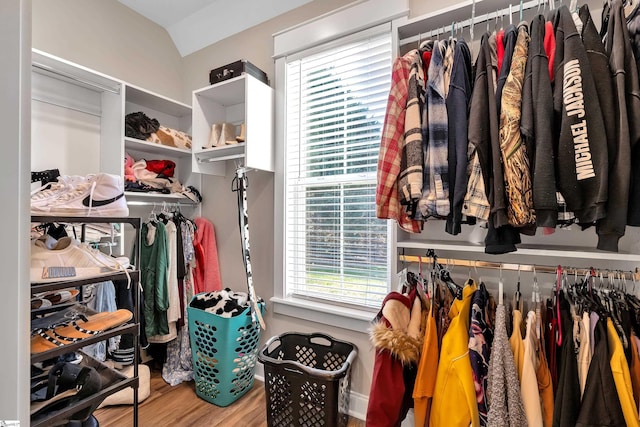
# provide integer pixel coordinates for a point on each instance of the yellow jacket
(621, 376)
(454, 398)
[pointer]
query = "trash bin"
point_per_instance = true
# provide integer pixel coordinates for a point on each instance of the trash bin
(224, 352)
(307, 379)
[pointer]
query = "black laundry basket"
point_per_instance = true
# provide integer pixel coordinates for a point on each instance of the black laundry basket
(307, 379)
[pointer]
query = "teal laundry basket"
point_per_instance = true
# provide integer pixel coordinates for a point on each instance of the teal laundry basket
(224, 352)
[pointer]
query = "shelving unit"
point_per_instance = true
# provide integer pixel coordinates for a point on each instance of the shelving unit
(242, 99)
(119, 381)
(169, 113)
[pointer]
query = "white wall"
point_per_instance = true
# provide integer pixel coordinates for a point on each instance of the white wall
(111, 38)
(15, 73)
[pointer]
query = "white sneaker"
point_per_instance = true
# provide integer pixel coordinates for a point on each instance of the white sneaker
(68, 252)
(101, 195)
(42, 197)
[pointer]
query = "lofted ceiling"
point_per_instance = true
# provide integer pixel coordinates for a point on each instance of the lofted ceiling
(194, 24)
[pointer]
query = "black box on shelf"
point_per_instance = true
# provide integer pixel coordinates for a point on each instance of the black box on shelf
(235, 69)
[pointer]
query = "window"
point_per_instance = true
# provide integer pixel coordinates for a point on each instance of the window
(336, 95)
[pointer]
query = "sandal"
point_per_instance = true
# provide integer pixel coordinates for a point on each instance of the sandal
(66, 384)
(53, 298)
(77, 330)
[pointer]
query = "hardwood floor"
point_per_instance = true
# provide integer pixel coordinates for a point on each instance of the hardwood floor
(179, 406)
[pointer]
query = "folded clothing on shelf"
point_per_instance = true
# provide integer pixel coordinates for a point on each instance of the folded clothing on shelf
(70, 253)
(140, 126)
(92, 195)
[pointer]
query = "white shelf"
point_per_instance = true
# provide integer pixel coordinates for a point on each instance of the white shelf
(523, 249)
(145, 198)
(225, 93)
(157, 102)
(154, 148)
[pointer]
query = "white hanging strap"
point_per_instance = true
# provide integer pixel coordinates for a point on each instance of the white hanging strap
(241, 188)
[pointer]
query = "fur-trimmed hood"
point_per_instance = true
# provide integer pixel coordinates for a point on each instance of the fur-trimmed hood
(399, 343)
(398, 328)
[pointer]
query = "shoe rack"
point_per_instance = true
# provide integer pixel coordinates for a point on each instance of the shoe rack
(116, 381)
(242, 100)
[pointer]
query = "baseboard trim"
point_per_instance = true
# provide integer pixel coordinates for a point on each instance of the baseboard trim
(357, 402)
(358, 405)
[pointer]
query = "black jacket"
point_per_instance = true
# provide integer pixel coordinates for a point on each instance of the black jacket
(536, 126)
(633, 25)
(623, 194)
(484, 135)
(567, 399)
(483, 118)
(600, 402)
(581, 164)
(457, 111)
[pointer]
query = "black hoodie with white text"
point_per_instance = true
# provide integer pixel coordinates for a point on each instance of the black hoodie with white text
(582, 161)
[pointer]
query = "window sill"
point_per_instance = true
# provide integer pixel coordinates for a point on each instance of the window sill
(327, 314)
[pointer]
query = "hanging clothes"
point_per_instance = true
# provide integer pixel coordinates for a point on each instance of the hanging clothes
(621, 376)
(480, 340)
(582, 164)
(625, 184)
(536, 125)
(435, 181)
(410, 180)
(505, 402)
(482, 127)
(427, 370)
(396, 338)
(537, 122)
(153, 277)
(581, 336)
(454, 401)
(457, 106)
(600, 402)
(528, 382)
(173, 312)
(567, 403)
(392, 145)
(517, 343)
(518, 186)
(545, 386)
(634, 369)
(207, 271)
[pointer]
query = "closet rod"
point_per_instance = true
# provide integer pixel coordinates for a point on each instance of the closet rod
(55, 104)
(477, 20)
(77, 79)
(628, 275)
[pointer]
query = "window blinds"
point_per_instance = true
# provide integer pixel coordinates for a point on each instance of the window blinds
(336, 248)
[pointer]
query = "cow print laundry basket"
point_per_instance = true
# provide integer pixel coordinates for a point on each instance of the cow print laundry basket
(224, 352)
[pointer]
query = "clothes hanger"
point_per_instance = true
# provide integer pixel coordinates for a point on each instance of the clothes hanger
(518, 295)
(557, 304)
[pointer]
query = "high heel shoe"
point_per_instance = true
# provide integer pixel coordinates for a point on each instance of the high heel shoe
(214, 137)
(228, 134)
(243, 133)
